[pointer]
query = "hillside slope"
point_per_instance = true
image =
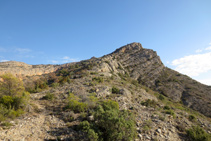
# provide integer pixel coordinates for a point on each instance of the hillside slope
(162, 100)
(145, 66)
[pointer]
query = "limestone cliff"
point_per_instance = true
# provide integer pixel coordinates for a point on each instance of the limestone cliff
(23, 69)
(145, 66)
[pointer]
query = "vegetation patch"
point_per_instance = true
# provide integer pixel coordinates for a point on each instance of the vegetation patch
(13, 97)
(198, 134)
(49, 96)
(75, 105)
(98, 79)
(115, 90)
(149, 103)
(110, 123)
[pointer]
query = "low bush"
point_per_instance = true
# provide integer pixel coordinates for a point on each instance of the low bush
(166, 108)
(110, 123)
(192, 118)
(161, 97)
(98, 79)
(149, 103)
(198, 134)
(170, 112)
(115, 90)
(75, 105)
(49, 96)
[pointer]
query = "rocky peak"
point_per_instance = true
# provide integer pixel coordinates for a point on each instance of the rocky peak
(129, 47)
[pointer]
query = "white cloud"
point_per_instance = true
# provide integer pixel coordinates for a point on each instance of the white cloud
(208, 48)
(193, 65)
(4, 60)
(198, 50)
(67, 59)
(210, 43)
(64, 59)
(205, 81)
(22, 50)
(55, 62)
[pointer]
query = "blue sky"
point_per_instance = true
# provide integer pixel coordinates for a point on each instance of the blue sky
(56, 32)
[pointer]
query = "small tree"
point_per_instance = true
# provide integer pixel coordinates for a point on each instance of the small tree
(11, 85)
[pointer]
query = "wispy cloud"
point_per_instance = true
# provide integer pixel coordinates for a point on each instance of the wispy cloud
(199, 50)
(22, 50)
(4, 60)
(55, 62)
(193, 65)
(65, 59)
(208, 48)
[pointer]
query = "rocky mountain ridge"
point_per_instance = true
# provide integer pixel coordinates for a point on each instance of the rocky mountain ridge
(145, 66)
(134, 77)
(140, 64)
(23, 69)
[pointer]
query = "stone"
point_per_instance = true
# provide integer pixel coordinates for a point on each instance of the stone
(140, 136)
(91, 118)
(158, 130)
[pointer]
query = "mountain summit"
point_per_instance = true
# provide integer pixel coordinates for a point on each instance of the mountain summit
(96, 99)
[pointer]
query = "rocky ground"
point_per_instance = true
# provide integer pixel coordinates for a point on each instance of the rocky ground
(160, 115)
(46, 119)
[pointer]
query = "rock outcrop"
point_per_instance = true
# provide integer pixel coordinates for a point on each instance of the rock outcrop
(145, 66)
(23, 69)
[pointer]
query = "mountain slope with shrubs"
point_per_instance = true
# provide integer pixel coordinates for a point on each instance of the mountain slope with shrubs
(126, 95)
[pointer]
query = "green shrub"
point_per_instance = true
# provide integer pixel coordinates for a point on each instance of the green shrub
(10, 85)
(166, 108)
(149, 103)
(192, 118)
(115, 90)
(14, 113)
(85, 127)
(198, 134)
(7, 124)
(14, 102)
(7, 101)
(114, 124)
(41, 84)
(110, 123)
(92, 135)
(49, 96)
(161, 97)
(98, 79)
(13, 98)
(170, 112)
(75, 105)
(93, 73)
(54, 85)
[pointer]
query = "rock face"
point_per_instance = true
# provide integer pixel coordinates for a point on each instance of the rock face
(23, 69)
(145, 66)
